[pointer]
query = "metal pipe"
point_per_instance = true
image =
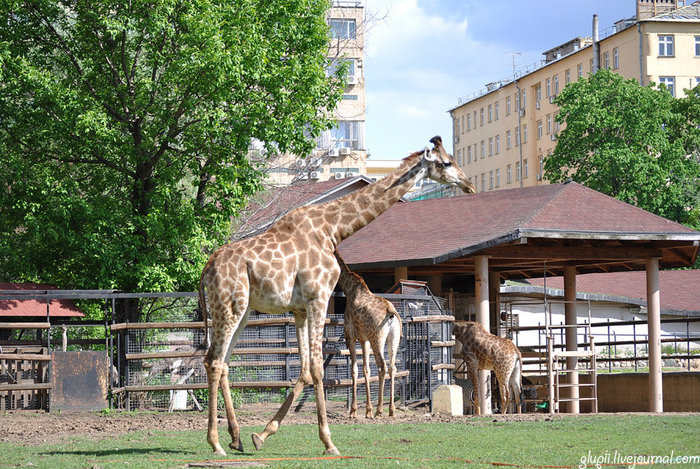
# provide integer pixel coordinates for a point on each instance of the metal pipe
(596, 46)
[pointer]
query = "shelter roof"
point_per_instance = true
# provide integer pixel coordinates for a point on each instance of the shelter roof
(525, 232)
(680, 289)
(34, 308)
(687, 13)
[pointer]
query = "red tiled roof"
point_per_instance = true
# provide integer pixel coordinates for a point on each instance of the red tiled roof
(432, 231)
(35, 308)
(679, 289)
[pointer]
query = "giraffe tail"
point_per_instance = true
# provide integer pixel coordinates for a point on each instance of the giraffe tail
(203, 307)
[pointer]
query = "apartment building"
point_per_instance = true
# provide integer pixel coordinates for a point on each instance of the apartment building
(503, 133)
(340, 152)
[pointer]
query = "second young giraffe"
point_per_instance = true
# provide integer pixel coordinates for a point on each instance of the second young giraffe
(373, 321)
(482, 350)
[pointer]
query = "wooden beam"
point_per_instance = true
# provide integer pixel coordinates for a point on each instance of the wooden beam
(572, 253)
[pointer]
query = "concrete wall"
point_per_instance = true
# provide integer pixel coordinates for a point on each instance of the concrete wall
(629, 392)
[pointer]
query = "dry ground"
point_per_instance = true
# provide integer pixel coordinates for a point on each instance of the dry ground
(38, 427)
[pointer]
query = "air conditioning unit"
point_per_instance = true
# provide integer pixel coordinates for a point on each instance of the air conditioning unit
(553, 137)
(552, 98)
(352, 80)
(313, 175)
(300, 163)
(303, 176)
(539, 176)
(350, 174)
(456, 138)
(344, 151)
(537, 104)
(333, 152)
(522, 112)
(338, 175)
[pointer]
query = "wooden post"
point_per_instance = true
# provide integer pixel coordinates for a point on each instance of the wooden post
(495, 304)
(656, 401)
(481, 270)
(400, 273)
(435, 284)
(571, 337)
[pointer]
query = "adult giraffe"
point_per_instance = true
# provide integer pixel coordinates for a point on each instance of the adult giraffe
(291, 267)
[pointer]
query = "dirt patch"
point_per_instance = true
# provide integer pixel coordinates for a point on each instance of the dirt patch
(36, 427)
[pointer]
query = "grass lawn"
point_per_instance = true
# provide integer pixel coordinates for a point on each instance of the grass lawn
(473, 443)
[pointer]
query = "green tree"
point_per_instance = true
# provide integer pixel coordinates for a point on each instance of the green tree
(637, 144)
(125, 127)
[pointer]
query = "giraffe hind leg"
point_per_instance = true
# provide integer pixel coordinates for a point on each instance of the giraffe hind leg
(367, 372)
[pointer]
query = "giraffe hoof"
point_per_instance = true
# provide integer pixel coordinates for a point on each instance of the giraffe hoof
(237, 446)
(257, 441)
(220, 452)
(333, 451)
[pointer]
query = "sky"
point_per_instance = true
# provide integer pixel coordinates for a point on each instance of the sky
(421, 56)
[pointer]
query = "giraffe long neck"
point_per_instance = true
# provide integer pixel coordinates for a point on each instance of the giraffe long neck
(362, 206)
(349, 281)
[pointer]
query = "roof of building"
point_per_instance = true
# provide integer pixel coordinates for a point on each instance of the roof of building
(34, 308)
(280, 200)
(680, 289)
(687, 13)
(523, 231)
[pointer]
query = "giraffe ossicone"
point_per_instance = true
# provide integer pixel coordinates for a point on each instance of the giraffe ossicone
(291, 267)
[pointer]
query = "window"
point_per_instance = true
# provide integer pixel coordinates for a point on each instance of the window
(495, 111)
(616, 58)
(346, 134)
(333, 65)
(524, 100)
(469, 154)
(579, 70)
(342, 28)
(567, 77)
(490, 180)
(541, 167)
(464, 127)
(498, 144)
(508, 142)
(507, 105)
(483, 182)
(469, 122)
(474, 120)
(517, 101)
(665, 46)
(539, 129)
(509, 174)
(524, 133)
(548, 87)
(490, 146)
(459, 157)
(490, 112)
(556, 85)
(549, 124)
(538, 93)
(697, 46)
(670, 84)
(498, 177)
(483, 149)
(697, 81)
(481, 120)
(517, 136)
(525, 168)
(606, 60)
(518, 174)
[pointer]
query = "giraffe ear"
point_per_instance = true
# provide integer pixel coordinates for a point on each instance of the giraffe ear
(428, 155)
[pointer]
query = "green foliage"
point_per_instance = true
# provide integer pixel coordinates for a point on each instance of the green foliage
(637, 144)
(125, 128)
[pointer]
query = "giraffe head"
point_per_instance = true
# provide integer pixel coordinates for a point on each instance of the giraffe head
(441, 167)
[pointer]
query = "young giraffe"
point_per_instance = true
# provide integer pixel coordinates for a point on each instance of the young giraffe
(291, 267)
(372, 320)
(484, 351)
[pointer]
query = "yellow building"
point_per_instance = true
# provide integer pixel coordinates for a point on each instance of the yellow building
(340, 152)
(503, 133)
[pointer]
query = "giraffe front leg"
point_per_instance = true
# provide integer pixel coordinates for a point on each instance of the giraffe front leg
(472, 371)
(304, 378)
(367, 372)
(317, 317)
(353, 364)
(505, 393)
